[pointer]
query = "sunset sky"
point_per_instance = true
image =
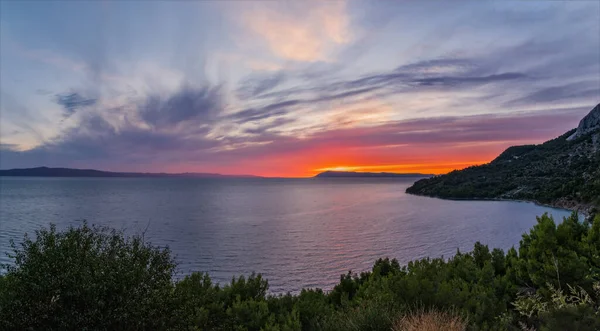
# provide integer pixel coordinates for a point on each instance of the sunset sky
(290, 88)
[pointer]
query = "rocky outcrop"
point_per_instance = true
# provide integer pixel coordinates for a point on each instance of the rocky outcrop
(588, 124)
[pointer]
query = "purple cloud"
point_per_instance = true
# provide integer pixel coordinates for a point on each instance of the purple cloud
(72, 102)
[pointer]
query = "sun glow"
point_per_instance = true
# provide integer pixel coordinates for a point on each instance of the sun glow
(339, 169)
(404, 168)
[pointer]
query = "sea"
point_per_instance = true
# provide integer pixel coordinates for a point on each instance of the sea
(297, 233)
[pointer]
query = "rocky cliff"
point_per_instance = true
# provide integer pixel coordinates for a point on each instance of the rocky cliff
(588, 124)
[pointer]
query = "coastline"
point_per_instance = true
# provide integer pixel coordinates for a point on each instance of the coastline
(585, 210)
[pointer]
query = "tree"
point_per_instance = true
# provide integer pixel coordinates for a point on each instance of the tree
(87, 278)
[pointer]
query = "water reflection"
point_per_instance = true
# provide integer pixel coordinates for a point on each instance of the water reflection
(297, 232)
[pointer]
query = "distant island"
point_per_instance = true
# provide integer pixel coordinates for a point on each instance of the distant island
(69, 172)
(336, 174)
(563, 172)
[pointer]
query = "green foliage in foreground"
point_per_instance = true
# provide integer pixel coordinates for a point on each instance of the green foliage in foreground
(96, 278)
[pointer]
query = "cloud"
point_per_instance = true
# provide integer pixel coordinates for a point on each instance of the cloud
(71, 102)
(50, 57)
(355, 116)
(20, 121)
(200, 104)
(472, 139)
(305, 32)
(258, 84)
(257, 114)
(440, 66)
(132, 133)
(98, 143)
(442, 75)
(512, 128)
(453, 81)
(527, 74)
(445, 72)
(303, 85)
(589, 90)
(369, 112)
(262, 129)
(8, 147)
(43, 92)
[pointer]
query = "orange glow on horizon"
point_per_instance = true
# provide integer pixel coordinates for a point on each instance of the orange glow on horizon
(436, 169)
(310, 161)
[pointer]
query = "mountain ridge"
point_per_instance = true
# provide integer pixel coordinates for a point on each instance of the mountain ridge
(73, 172)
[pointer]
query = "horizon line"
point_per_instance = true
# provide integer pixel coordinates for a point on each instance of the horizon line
(316, 172)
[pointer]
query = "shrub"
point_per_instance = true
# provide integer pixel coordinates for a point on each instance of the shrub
(86, 278)
(368, 315)
(573, 309)
(95, 278)
(430, 321)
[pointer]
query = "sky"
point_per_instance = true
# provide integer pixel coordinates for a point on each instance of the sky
(289, 89)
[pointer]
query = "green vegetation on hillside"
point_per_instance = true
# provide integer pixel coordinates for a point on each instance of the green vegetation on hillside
(93, 278)
(558, 172)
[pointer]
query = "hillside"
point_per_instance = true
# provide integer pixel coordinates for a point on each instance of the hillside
(69, 172)
(563, 172)
(336, 174)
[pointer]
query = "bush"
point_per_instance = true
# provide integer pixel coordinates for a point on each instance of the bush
(87, 278)
(430, 321)
(95, 278)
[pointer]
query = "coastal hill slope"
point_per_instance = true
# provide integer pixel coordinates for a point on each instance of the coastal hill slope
(337, 174)
(562, 172)
(69, 172)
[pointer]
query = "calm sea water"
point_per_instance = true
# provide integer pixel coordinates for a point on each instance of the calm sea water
(296, 232)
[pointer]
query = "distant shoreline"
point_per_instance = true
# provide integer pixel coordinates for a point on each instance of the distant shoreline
(92, 173)
(358, 174)
(46, 172)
